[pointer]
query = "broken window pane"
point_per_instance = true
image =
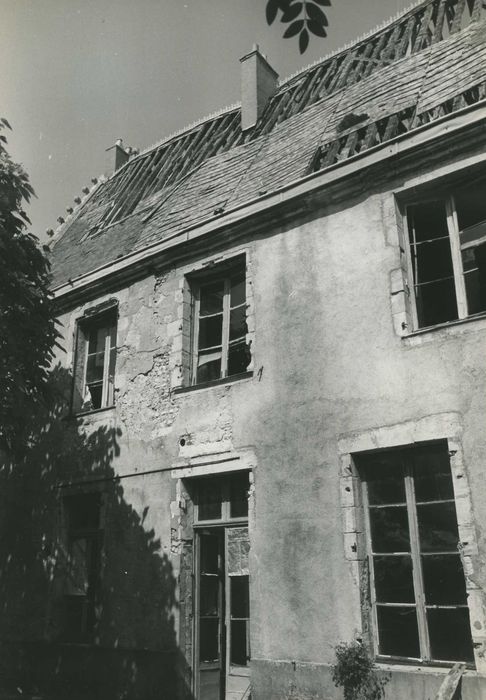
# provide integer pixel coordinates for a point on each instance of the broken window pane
(398, 631)
(209, 499)
(95, 395)
(433, 273)
(238, 290)
(384, 479)
(240, 602)
(450, 634)
(239, 485)
(436, 302)
(238, 327)
(208, 639)
(393, 579)
(209, 365)
(209, 547)
(95, 367)
(210, 331)
(238, 358)
(209, 593)
(211, 298)
(443, 579)
(437, 527)
(389, 529)
(238, 651)
(432, 475)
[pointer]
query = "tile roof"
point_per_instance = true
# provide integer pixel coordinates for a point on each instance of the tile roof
(428, 62)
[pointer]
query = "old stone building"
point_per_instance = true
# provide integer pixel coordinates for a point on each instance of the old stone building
(274, 343)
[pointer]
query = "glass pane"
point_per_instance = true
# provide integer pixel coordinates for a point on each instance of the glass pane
(95, 367)
(238, 650)
(209, 366)
(240, 600)
(398, 631)
(210, 331)
(78, 577)
(211, 298)
(432, 474)
(239, 357)
(474, 260)
(209, 554)
(209, 499)
(384, 477)
(83, 511)
(389, 529)
(393, 579)
(427, 220)
(436, 302)
(96, 339)
(437, 527)
(96, 393)
(239, 485)
(471, 204)
(209, 639)
(444, 580)
(209, 590)
(238, 290)
(450, 635)
(433, 260)
(238, 327)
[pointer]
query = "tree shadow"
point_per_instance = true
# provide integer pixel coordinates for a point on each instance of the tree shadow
(130, 650)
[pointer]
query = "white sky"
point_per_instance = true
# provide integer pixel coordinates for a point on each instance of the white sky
(78, 74)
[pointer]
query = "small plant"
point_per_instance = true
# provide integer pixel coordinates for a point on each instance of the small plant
(356, 672)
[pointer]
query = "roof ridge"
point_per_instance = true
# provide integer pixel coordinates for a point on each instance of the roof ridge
(363, 37)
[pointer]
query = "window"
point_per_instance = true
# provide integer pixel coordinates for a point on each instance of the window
(418, 591)
(222, 498)
(219, 324)
(82, 513)
(447, 244)
(95, 362)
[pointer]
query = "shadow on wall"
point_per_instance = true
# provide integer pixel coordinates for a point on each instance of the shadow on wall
(128, 650)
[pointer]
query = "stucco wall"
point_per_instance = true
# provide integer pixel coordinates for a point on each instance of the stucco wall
(328, 362)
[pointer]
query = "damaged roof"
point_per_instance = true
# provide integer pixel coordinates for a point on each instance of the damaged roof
(428, 62)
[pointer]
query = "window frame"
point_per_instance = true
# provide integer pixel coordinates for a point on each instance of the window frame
(219, 273)
(444, 195)
(226, 518)
(105, 318)
(405, 463)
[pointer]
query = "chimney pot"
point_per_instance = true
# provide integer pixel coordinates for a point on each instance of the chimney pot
(258, 83)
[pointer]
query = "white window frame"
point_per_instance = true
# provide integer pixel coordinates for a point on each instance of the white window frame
(458, 271)
(106, 320)
(196, 285)
(417, 574)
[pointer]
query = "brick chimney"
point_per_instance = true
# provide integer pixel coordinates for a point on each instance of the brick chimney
(116, 156)
(258, 84)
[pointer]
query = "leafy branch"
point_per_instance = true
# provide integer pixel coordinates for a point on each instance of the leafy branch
(304, 18)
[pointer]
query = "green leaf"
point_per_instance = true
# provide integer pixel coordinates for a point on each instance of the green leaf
(294, 28)
(316, 28)
(303, 40)
(316, 14)
(292, 12)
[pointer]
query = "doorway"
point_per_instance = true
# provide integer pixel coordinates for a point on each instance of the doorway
(222, 614)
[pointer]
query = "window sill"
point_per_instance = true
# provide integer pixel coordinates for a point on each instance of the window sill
(215, 382)
(445, 327)
(93, 411)
(440, 667)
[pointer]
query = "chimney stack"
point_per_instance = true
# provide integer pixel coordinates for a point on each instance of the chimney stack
(116, 156)
(258, 84)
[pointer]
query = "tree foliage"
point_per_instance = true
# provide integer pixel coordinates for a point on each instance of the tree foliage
(304, 18)
(27, 326)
